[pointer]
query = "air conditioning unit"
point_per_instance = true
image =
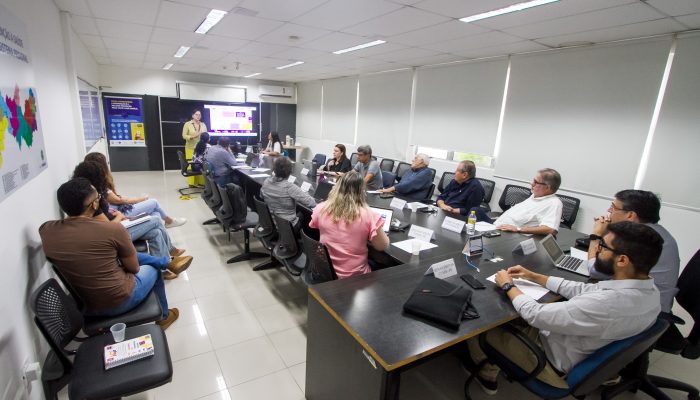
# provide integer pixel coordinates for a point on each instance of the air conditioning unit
(276, 91)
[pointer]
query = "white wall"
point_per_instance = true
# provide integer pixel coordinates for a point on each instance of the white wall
(23, 212)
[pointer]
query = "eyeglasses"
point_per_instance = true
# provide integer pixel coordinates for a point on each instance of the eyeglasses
(99, 196)
(535, 182)
(603, 245)
(613, 207)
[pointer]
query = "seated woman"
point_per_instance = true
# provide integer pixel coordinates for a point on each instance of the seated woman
(346, 224)
(339, 163)
(131, 206)
(274, 146)
(200, 152)
(283, 196)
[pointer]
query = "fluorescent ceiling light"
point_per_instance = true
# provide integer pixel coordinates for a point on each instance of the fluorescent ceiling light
(181, 51)
(291, 65)
(168, 66)
(361, 46)
(212, 19)
(506, 10)
(252, 75)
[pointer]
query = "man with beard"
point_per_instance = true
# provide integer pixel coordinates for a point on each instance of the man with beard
(593, 316)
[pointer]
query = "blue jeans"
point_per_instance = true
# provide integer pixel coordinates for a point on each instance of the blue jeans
(158, 262)
(481, 215)
(154, 233)
(150, 207)
(148, 278)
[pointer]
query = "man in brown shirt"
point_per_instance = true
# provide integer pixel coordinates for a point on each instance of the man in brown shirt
(97, 258)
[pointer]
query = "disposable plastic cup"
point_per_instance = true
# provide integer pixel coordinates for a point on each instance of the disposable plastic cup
(118, 330)
(415, 247)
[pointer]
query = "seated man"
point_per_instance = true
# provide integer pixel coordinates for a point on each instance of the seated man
(98, 258)
(540, 213)
(415, 184)
(368, 168)
(282, 196)
(222, 159)
(593, 316)
(464, 192)
(642, 207)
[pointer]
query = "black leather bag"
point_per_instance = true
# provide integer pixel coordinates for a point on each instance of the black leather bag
(441, 301)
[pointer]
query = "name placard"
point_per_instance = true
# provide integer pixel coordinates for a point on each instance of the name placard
(444, 269)
(397, 203)
(305, 186)
(292, 178)
(304, 171)
(528, 246)
(420, 233)
(453, 224)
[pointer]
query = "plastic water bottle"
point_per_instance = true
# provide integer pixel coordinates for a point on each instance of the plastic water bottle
(471, 223)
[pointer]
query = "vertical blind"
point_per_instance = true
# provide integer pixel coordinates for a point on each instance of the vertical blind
(339, 109)
(309, 110)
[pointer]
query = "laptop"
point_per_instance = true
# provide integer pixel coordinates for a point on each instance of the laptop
(556, 254)
(385, 213)
(322, 191)
(249, 158)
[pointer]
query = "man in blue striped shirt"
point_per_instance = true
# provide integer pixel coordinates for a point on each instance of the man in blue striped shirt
(415, 184)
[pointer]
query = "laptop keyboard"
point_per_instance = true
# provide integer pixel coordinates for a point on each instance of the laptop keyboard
(570, 263)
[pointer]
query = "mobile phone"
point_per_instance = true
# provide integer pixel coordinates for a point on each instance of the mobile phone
(472, 281)
(491, 234)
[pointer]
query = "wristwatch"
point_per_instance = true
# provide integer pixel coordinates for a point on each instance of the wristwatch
(507, 286)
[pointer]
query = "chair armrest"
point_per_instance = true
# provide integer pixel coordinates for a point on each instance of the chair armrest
(534, 349)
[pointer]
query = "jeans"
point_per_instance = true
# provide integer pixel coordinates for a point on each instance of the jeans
(154, 233)
(158, 262)
(150, 207)
(146, 279)
(481, 215)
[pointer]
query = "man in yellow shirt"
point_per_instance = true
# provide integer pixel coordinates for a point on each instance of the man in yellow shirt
(191, 132)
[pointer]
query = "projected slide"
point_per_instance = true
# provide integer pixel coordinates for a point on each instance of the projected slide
(231, 120)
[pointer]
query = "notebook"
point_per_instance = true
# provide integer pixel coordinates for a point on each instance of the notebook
(127, 351)
(385, 213)
(556, 254)
(133, 222)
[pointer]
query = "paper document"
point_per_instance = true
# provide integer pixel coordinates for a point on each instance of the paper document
(529, 288)
(258, 175)
(483, 226)
(406, 245)
(419, 205)
(242, 167)
(580, 254)
(373, 191)
(261, 169)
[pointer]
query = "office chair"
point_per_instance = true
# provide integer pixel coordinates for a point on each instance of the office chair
(59, 320)
(388, 179)
(234, 217)
(319, 267)
(353, 159)
(287, 249)
(445, 180)
(401, 170)
(266, 232)
(386, 165)
(186, 172)
(588, 374)
(210, 195)
(320, 159)
(488, 186)
(568, 214)
(148, 311)
(512, 195)
(428, 197)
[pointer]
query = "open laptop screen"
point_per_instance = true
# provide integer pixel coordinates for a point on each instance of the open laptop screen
(385, 213)
(552, 248)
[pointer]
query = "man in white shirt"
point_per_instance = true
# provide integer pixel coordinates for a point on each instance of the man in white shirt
(594, 314)
(540, 213)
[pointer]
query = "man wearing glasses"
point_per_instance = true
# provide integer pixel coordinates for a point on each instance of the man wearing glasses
(593, 316)
(540, 213)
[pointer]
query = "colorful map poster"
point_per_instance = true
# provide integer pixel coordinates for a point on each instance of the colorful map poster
(124, 119)
(22, 155)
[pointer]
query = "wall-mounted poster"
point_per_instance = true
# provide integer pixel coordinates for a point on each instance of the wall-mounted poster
(124, 120)
(22, 155)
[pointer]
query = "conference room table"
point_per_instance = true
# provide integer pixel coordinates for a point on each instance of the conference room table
(359, 340)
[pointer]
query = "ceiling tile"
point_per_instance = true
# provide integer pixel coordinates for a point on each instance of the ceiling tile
(98, 51)
(242, 58)
(187, 60)
(370, 51)
(339, 14)
(621, 15)
(136, 11)
(244, 27)
(103, 60)
(123, 30)
(269, 62)
(691, 21)
(281, 35)
(437, 59)
(335, 41)
(221, 43)
(117, 55)
(492, 38)
(75, 7)
(211, 55)
(181, 17)
(124, 44)
(152, 65)
(503, 49)
(127, 63)
(162, 58)
(285, 10)
(462, 8)
(676, 7)
(224, 5)
(358, 62)
(406, 2)
(400, 21)
(260, 49)
(297, 53)
(179, 38)
(437, 33)
(162, 49)
(405, 54)
(92, 41)
(84, 25)
(648, 28)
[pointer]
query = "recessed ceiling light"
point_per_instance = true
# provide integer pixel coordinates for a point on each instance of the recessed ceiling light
(168, 66)
(181, 51)
(506, 10)
(361, 46)
(252, 75)
(291, 65)
(212, 19)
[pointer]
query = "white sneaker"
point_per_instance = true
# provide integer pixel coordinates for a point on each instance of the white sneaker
(176, 222)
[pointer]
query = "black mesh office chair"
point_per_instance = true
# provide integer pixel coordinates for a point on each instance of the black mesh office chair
(319, 267)
(266, 232)
(401, 170)
(210, 195)
(386, 165)
(59, 321)
(388, 179)
(287, 249)
(568, 215)
(320, 159)
(512, 195)
(234, 217)
(186, 172)
(445, 180)
(428, 199)
(488, 186)
(148, 311)
(215, 201)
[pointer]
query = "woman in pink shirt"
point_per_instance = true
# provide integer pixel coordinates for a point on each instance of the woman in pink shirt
(346, 224)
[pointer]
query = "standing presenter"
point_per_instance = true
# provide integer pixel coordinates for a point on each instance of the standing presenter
(191, 132)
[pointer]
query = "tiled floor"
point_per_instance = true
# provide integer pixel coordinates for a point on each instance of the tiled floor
(242, 334)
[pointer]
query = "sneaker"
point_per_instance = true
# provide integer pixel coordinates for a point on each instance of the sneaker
(176, 222)
(173, 314)
(176, 252)
(489, 387)
(179, 264)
